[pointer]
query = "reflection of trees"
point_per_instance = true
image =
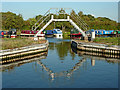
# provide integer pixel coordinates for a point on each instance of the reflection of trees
(62, 49)
(72, 53)
(51, 46)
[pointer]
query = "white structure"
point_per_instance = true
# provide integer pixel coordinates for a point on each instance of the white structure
(68, 19)
(93, 35)
(48, 18)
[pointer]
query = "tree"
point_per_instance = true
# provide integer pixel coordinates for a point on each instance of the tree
(80, 13)
(11, 20)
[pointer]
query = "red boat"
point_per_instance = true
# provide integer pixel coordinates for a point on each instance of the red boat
(75, 35)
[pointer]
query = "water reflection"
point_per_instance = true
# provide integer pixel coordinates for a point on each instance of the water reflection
(64, 66)
(95, 56)
(62, 48)
(67, 73)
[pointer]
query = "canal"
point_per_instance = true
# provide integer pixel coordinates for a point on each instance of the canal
(61, 67)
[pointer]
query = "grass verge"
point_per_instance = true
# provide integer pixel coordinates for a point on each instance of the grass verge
(108, 40)
(11, 43)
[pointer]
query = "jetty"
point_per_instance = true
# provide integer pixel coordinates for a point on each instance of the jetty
(95, 48)
(17, 54)
(11, 66)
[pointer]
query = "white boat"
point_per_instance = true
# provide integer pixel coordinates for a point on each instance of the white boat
(57, 33)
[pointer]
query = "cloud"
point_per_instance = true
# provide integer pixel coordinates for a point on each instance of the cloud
(93, 15)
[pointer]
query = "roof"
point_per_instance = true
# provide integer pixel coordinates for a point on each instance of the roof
(57, 31)
(49, 32)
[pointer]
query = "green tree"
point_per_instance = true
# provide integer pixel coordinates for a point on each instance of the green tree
(11, 20)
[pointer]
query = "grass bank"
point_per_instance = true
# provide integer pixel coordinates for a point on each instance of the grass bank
(11, 43)
(108, 40)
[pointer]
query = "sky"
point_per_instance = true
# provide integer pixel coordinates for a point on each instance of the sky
(31, 9)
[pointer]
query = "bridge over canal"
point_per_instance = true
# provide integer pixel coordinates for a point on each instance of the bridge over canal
(51, 16)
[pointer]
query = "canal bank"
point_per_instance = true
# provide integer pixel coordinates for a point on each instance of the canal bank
(19, 54)
(12, 43)
(95, 48)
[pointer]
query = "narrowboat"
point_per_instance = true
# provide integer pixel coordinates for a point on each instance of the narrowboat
(13, 33)
(74, 34)
(57, 33)
(31, 33)
(48, 33)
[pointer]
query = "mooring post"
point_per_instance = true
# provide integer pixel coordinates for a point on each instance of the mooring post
(68, 17)
(52, 17)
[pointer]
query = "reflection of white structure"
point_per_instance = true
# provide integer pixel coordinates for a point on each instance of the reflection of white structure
(52, 75)
(67, 73)
(92, 62)
(57, 33)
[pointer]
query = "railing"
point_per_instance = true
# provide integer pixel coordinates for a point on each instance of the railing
(80, 22)
(42, 20)
(45, 20)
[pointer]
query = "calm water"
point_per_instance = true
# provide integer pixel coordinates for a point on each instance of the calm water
(62, 68)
